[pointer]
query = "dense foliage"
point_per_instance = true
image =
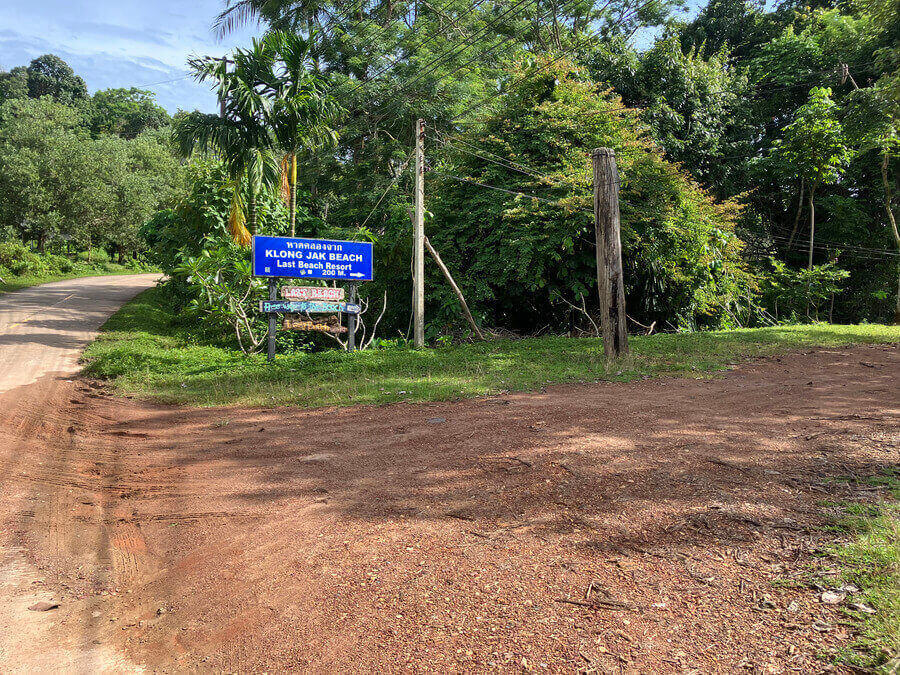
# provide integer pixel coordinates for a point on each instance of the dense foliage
(745, 114)
(757, 150)
(78, 172)
(528, 257)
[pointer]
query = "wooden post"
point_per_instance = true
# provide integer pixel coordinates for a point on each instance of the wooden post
(610, 282)
(419, 240)
(351, 322)
(273, 295)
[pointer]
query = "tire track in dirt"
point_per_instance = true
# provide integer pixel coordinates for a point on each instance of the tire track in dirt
(52, 544)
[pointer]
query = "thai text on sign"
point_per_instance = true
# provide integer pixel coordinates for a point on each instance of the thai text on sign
(312, 258)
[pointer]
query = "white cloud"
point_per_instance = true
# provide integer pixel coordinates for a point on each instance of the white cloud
(121, 43)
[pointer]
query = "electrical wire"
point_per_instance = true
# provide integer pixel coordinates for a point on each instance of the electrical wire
(422, 43)
(437, 61)
(388, 188)
(567, 52)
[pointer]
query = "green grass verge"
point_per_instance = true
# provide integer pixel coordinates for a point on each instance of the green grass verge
(871, 561)
(141, 352)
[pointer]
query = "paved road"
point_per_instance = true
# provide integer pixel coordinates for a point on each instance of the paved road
(43, 329)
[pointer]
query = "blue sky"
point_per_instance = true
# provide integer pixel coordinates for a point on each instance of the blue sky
(120, 43)
(123, 43)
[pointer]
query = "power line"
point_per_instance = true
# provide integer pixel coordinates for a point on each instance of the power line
(500, 161)
(388, 188)
(803, 242)
(153, 84)
(800, 243)
(578, 44)
(432, 65)
(440, 57)
(408, 53)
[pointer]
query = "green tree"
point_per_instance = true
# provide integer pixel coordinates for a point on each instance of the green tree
(873, 121)
(138, 177)
(125, 112)
(736, 26)
(49, 75)
(14, 84)
(390, 63)
(47, 174)
(815, 149)
(301, 115)
(695, 106)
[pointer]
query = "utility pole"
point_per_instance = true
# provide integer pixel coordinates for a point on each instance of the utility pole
(419, 240)
(610, 282)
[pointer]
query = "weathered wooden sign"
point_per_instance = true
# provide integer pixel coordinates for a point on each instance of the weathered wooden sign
(291, 323)
(306, 307)
(312, 293)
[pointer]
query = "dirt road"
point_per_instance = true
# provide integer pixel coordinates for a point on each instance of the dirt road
(658, 526)
(43, 330)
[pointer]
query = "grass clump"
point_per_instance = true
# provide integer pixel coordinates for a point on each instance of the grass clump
(871, 561)
(146, 352)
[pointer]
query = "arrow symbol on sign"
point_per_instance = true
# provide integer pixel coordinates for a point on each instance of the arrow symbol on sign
(356, 274)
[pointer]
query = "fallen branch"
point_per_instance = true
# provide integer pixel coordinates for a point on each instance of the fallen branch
(730, 465)
(596, 604)
(583, 310)
(649, 328)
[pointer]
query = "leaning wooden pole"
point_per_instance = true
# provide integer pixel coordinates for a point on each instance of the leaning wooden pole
(459, 296)
(610, 282)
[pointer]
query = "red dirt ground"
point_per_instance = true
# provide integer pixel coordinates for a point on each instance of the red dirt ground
(443, 537)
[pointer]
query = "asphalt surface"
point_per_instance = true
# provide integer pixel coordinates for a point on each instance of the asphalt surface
(43, 329)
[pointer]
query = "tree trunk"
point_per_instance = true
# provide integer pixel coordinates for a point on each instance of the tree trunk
(120, 251)
(888, 205)
(294, 194)
(812, 224)
(42, 241)
(799, 210)
(251, 211)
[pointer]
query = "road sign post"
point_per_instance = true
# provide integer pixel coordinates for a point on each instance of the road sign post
(312, 259)
(351, 322)
(273, 294)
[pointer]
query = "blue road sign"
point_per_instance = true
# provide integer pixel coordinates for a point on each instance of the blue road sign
(312, 258)
(307, 306)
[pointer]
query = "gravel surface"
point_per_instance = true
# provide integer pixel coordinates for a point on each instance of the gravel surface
(656, 526)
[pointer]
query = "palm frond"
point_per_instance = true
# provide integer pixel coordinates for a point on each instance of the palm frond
(237, 218)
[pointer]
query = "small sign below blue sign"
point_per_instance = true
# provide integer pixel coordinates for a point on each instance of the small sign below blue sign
(307, 306)
(312, 258)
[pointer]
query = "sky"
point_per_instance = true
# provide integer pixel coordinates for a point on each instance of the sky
(120, 43)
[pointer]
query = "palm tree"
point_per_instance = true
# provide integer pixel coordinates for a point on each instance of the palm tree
(301, 114)
(239, 135)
